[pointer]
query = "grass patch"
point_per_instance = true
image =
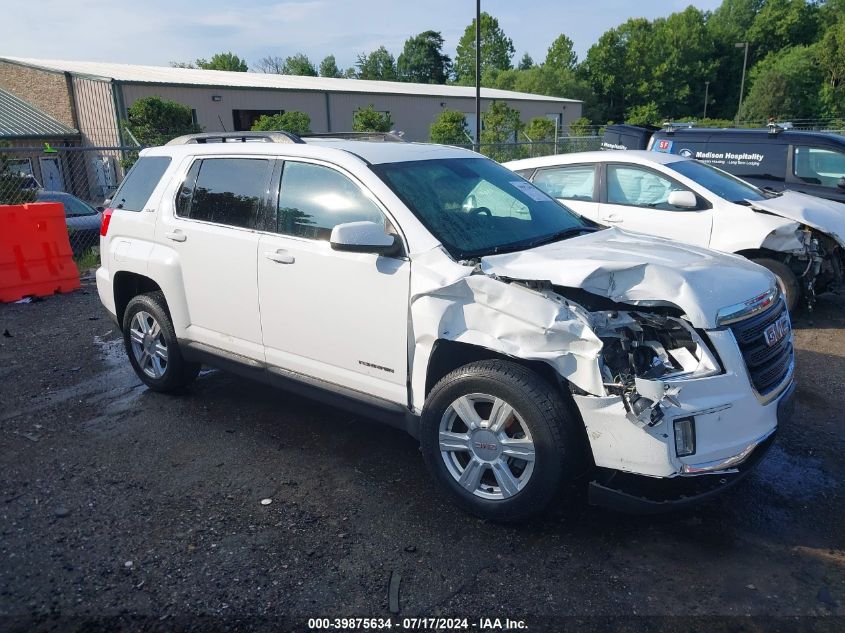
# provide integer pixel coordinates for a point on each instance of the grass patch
(88, 260)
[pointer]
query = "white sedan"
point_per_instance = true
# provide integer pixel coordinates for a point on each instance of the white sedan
(799, 238)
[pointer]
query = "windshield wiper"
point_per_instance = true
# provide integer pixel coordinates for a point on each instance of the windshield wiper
(521, 246)
(561, 235)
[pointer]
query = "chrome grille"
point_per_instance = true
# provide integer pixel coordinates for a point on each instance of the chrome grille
(767, 366)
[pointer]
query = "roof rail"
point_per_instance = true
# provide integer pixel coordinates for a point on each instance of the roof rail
(279, 136)
(383, 137)
(670, 126)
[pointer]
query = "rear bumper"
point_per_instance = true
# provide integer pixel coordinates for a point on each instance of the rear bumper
(636, 494)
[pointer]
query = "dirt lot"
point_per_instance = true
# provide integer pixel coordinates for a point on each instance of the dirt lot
(115, 500)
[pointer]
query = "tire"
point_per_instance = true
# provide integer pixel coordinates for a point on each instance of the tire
(539, 417)
(154, 353)
(788, 282)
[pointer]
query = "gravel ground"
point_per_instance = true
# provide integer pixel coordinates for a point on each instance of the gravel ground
(117, 501)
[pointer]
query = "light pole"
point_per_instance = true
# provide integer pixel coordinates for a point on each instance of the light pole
(742, 83)
(706, 96)
(477, 75)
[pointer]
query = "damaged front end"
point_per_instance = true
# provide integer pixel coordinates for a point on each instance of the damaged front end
(821, 268)
(640, 351)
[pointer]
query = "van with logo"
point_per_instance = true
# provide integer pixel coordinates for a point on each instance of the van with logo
(774, 158)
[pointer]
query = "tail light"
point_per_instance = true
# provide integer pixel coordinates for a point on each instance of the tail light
(104, 224)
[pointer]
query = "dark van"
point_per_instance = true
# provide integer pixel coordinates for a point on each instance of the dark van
(774, 158)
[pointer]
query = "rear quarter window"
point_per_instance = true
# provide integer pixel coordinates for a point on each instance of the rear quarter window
(138, 186)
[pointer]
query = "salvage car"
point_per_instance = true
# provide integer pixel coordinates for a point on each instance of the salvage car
(799, 238)
(430, 288)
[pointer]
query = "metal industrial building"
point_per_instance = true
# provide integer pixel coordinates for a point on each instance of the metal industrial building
(92, 97)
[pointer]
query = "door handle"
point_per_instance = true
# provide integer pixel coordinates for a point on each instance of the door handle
(280, 256)
(176, 236)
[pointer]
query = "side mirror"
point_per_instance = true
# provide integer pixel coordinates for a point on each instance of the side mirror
(363, 237)
(841, 183)
(683, 199)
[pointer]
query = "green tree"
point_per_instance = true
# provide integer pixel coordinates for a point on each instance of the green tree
(784, 85)
(561, 53)
(526, 63)
(369, 120)
(645, 114)
(223, 61)
(496, 50)
(540, 129)
(581, 127)
(500, 127)
(830, 53)
(292, 121)
(684, 57)
(728, 24)
(781, 24)
(299, 64)
(450, 128)
(422, 60)
(154, 121)
(379, 64)
(328, 67)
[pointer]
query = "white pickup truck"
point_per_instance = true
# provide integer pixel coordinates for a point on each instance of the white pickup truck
(431, 288)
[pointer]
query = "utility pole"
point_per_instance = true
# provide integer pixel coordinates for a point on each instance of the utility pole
(742, 83)
(706, 96)
(477, 75)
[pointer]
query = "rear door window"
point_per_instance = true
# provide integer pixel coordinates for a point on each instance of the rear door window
(819, 166)
(229, 191)
(138, 186)
(573, 182)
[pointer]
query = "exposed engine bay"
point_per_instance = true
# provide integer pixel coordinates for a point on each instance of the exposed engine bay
(641, 346)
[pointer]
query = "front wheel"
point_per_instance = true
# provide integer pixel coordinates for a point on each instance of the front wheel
(151, 345)
(499, 439)
(787, 281)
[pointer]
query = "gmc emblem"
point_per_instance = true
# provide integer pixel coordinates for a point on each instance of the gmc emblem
(485, 446)
(776, 331)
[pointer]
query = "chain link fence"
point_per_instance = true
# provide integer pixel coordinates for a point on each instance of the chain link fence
(81, 178)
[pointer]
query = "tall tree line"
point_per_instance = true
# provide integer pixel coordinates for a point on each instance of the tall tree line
(642, 70)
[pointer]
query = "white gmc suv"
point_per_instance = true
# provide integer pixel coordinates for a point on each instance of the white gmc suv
(431, 288)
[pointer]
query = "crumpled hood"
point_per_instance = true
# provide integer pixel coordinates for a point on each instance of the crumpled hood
(825, 215)
(640, 270)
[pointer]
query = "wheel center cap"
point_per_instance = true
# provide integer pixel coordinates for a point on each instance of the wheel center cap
(148, 343)
(485, 445)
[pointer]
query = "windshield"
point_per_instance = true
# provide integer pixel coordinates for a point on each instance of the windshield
(719, 182)
(74, 207)
(476, 207)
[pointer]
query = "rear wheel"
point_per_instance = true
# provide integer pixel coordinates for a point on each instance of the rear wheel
(787, 281)
(498, 439)
(151, 344)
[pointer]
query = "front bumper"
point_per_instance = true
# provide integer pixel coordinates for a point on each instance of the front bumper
(626, 492)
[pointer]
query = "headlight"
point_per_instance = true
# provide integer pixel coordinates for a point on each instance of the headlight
(641, 347)
(652, 346)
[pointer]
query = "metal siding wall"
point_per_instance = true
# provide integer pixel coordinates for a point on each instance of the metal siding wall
(411, 113)
(95, 112)
(210, 113)
(97, 123)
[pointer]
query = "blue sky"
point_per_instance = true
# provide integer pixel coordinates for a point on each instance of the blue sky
(160, 31)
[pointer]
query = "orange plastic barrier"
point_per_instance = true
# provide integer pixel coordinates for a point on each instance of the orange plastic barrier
(35, 254)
